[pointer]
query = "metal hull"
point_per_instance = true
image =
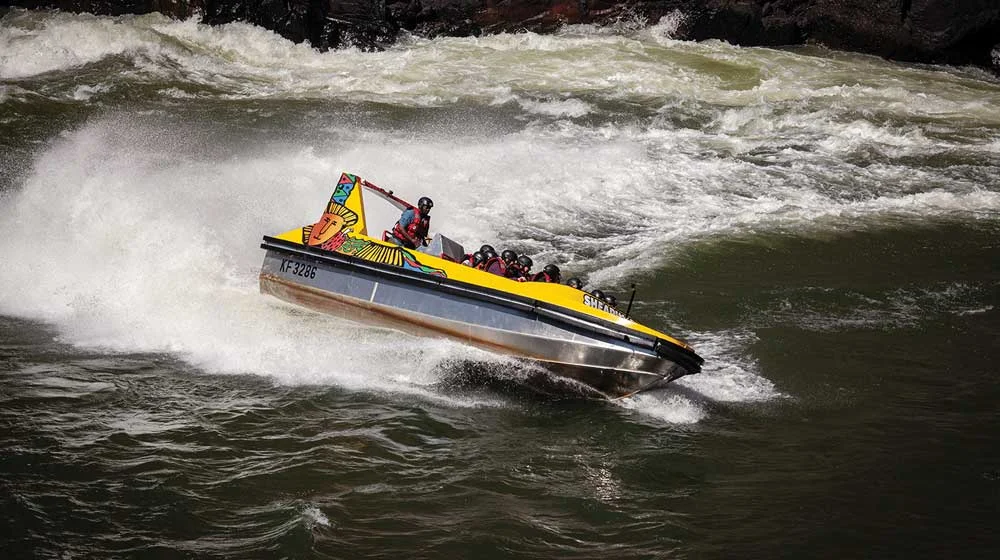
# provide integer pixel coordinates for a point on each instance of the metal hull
(607, 361)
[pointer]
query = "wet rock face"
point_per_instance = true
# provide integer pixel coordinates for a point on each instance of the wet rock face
(951, 31)
(324, 23)
(954, 31)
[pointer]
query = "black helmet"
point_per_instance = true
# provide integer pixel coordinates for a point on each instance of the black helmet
(575, 283)
(553, 272)
(478, 258)
(508, 256)
(489, 254)
(487, 248)
(597, 294)
(525, 262)
(612, 300)
(425, 202)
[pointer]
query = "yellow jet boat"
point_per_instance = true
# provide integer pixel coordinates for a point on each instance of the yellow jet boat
(335, 267)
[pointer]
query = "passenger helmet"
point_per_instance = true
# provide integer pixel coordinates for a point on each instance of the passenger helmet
(487, 248)
(525, 262)
(553, 272)
(575, 283)
(489, 254)
(425, 204)
(597, 294)
(612, 300)
(508, 256)
(478, 258)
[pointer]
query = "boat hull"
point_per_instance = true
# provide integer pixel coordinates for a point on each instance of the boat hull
(601, 358)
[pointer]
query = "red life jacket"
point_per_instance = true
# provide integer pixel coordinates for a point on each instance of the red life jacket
(417, 229)
(514, 271)
(495, 265)
(542, 277)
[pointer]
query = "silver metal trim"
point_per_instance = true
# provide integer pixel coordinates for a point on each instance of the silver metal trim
(600, 357)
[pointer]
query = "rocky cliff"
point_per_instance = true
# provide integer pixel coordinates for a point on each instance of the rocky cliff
(948, 31)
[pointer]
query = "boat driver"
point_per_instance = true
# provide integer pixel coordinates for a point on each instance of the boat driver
(411, 229)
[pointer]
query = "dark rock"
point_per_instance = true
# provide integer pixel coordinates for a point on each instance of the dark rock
(324, 23)
(951, 31)
(745, 23)
(957, 30)
(433, 18)
(291, 19)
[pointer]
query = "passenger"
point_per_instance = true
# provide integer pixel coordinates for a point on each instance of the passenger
(411, 229)
(469, 259)
(500, 265)
(598, 294)
(473, 260)
(477, 259)
(520, 270)
(575, 283)
(487, 255)
(612, 300)
(548, 274)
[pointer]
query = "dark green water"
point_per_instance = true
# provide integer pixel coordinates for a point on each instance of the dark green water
(823, 228)
(883, 442)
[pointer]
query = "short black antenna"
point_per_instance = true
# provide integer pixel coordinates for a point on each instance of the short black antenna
(631, 298)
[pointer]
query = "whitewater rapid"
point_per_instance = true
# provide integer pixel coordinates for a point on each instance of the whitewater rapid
(136, 229)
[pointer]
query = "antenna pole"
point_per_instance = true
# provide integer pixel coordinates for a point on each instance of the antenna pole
(631, 298)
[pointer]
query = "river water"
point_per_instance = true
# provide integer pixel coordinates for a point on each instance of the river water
(823, 227)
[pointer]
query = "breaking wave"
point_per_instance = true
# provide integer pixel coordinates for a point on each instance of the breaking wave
(137, 230)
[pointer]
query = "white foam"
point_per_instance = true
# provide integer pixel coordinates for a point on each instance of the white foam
(33, 44)
(313, 516)
(666, 28)
(177, 93)
(131, 239)
(127, 249)
(976, 311)
(85, 93)
(665, 407)
(560, 108)
(623, 62)
(899, 308)
(128, 239)
(730, 375)
(129, 235)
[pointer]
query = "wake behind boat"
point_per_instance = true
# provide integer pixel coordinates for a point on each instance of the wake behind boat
(335, 267)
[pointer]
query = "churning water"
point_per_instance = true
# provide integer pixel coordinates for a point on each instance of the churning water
(822, 227)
